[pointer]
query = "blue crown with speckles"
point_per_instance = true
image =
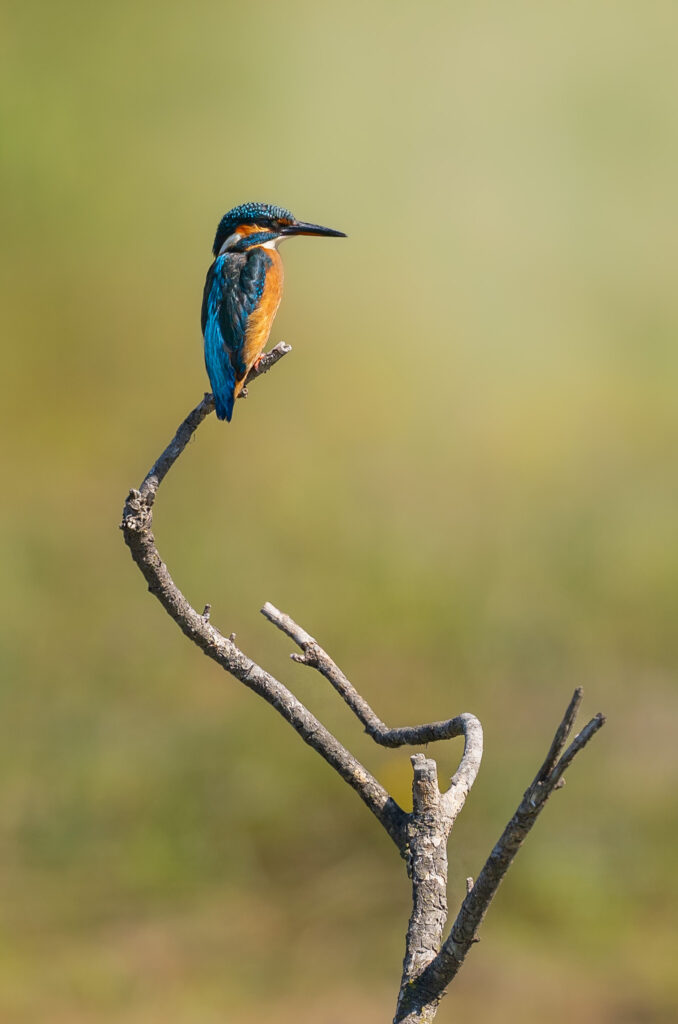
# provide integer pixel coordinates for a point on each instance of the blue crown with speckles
(248, 213)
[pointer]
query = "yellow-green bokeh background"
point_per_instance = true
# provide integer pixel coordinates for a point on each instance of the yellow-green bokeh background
(463, 481)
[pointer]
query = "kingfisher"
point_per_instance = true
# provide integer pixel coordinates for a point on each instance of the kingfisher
(243, 291)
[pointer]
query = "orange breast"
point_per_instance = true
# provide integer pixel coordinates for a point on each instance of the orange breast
(260, 322)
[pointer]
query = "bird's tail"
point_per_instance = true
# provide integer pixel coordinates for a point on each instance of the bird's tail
(219, 370)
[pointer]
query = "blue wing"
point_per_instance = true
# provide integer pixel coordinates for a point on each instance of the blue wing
(233, 289)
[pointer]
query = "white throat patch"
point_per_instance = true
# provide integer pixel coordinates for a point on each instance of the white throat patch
(235, 238)
(231, 240)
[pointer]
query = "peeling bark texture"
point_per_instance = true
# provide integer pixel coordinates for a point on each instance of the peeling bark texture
(431, 961)
(440, 971)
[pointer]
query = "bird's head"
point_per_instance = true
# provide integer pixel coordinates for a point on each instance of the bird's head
(253, 224)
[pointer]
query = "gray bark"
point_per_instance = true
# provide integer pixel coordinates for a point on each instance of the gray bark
(431, 960)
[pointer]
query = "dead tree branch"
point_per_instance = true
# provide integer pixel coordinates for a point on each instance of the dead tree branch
(137, 521)
(464, 725)
(422, 835)
(423, 995)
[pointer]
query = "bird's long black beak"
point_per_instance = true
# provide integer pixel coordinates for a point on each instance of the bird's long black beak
(301, 228)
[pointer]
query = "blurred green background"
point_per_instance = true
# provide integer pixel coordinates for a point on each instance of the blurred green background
(462, 481)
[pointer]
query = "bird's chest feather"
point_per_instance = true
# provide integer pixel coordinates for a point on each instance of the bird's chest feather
(260, 320)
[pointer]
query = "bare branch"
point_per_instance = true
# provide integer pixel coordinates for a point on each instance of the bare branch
(469, 766)
(164, 463)
(562, 733)
(314, 656)
(268, 361)
(578, 743)
(465, 725)
(136, 526)
(421, 836)
(442, 970)
(428, 830)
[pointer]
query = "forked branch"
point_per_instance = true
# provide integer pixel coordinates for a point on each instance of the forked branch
(420, 997)
(421, 836)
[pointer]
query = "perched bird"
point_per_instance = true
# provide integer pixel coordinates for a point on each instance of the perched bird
(242, 293)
